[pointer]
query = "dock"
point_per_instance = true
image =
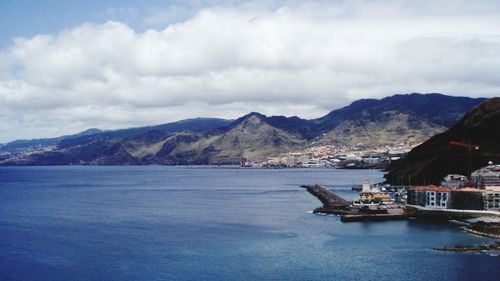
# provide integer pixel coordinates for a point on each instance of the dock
(328, 198)
(334, 204)
(374, 217)
(450, 214)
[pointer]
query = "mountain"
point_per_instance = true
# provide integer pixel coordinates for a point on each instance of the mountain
(248, 137)
(294, 125)
(432, 160)
(409, 119)
(251, 137)
(195, 124)
(372, 129)
(99, 147)
(437, 108)
(22, 145)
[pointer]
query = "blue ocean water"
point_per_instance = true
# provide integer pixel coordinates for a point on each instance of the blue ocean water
(183, 223)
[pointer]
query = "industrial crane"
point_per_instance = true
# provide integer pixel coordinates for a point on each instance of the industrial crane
(464, 144)
(469, 147)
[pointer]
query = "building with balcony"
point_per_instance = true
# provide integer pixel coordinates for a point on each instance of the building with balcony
(467, 199)
(491, 198)
(430, 196)
(486, 176)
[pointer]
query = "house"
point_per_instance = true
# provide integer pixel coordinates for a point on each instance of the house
(461, 198)
(302, 160)
(486, 176)
(467, 199)
(291, 161)
(454, 181)
(491, 198)
(430, 196)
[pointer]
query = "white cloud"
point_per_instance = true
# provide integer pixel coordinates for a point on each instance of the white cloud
(296, 59)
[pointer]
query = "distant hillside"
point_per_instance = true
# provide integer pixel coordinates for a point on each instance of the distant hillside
(436, 108)
(372, 129)
(398, 119)
(431, 161)
(249, 137)
(409, 119)
(90, 135)
(21, 145)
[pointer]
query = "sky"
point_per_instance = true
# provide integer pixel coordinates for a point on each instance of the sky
(66, 66)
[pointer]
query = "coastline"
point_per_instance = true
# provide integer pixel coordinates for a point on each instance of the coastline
(485, 229)
(484, 234)
(336, 205)
(495, 246)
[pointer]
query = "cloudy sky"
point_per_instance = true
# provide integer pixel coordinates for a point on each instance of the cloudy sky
(66, 66)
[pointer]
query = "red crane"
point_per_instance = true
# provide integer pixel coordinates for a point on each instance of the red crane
(464, 144)
(469, 146)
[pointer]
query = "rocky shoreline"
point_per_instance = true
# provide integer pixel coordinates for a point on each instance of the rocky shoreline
(487, 229)
(461, 248)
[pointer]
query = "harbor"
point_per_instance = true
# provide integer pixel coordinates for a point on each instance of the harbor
(348, 212)
(381, 203)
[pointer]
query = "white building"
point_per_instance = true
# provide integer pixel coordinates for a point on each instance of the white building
(303, 159)
(371, 160)
(454, 181)
(430, 196)
(291, 161)
(439, 198)
(486, 176)
(352, 157)
(491, 198)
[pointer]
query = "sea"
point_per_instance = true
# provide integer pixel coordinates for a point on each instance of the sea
(212, 223)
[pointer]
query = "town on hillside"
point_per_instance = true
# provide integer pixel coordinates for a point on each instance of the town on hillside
(336, 156)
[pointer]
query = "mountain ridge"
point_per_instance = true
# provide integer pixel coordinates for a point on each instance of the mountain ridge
(255, 136)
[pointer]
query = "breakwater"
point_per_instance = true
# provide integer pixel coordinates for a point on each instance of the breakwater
(334, 204)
